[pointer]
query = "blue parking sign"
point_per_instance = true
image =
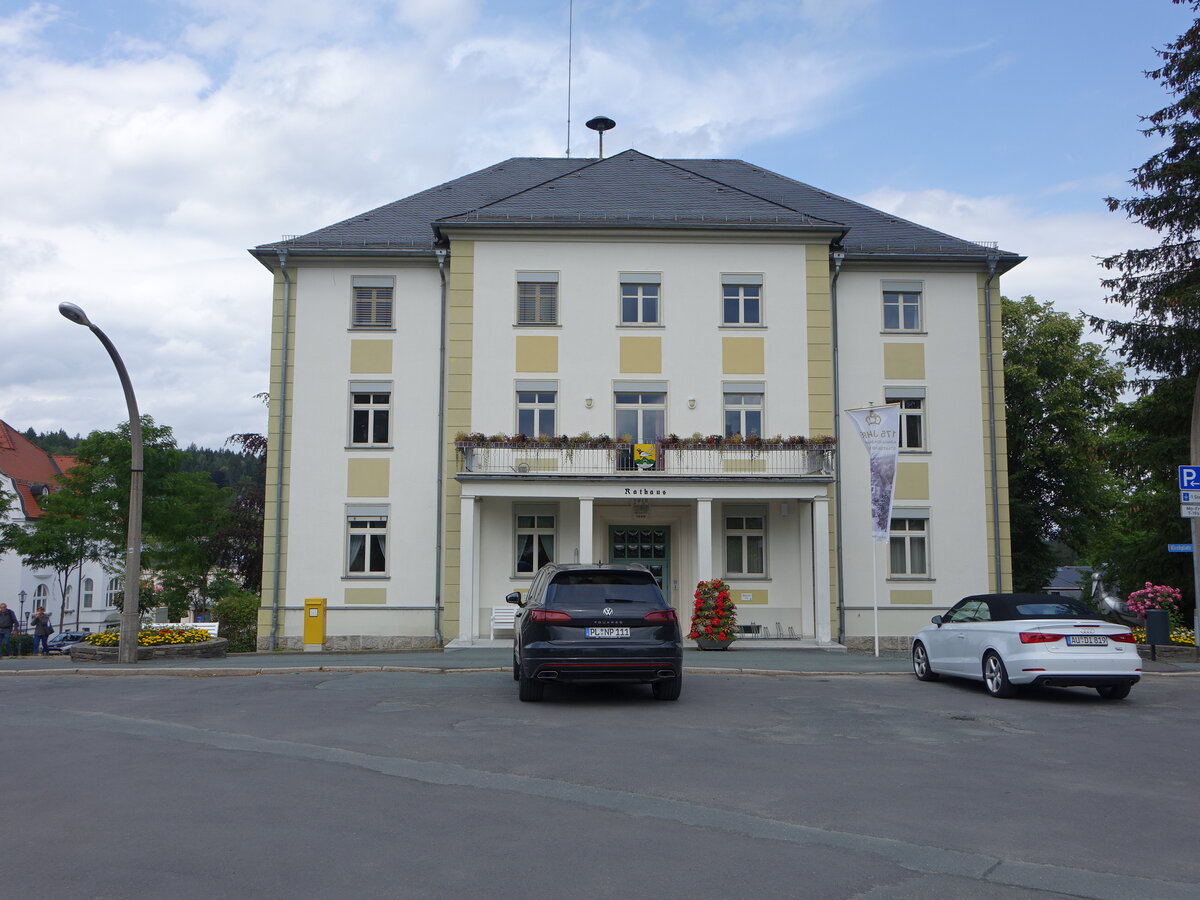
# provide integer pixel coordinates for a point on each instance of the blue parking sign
(1189, 478)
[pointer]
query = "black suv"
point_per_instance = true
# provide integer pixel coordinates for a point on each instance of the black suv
(596, 623)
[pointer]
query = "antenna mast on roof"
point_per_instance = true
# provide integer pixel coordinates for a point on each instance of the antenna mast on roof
(600, 124)
(570, 53)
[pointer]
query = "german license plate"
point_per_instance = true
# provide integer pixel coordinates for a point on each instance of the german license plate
(609, 632)
(1091, 640)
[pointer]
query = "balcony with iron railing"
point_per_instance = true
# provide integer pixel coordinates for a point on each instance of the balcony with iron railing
(711, 457)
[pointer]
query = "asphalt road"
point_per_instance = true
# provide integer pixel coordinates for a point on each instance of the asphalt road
(398, 785)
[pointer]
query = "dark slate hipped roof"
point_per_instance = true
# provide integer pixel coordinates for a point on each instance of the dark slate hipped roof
(630, 190)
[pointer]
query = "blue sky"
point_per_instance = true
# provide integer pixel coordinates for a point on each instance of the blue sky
(148, 143)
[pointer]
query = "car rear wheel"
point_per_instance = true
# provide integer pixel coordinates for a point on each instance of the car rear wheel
(667, 690)
(920, 661)
(1114, 691)
(528, 690)
(995, 676)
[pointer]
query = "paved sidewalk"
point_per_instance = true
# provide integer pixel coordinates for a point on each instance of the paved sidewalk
(740, 660)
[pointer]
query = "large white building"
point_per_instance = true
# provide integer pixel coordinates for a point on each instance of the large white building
(647, 301)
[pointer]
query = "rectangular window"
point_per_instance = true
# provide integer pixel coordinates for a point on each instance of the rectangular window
(366, 541)
(537, 298)
(537, 403)
(909, 547)
(640, 415)
(640, 298)
(745, 545)
(912, 416)
(372, 302)
(902, 306)
(741, 299)
(743, 410)
(534, 541)
(370, 413)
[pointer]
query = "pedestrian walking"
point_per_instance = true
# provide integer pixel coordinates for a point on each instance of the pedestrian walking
(8, 621)
(41, 631)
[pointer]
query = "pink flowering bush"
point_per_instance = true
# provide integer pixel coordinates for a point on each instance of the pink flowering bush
(1158, 596)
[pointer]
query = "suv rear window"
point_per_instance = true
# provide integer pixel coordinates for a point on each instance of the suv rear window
(604, 587)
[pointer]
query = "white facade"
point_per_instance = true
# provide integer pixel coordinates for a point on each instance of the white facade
(403, 553)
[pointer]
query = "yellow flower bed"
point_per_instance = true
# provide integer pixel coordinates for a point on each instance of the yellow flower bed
(152, 637)
(1178, 636)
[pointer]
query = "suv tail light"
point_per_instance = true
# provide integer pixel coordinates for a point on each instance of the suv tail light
(548, 615)
(661, 615)
(1039, 637)
(1123, 637)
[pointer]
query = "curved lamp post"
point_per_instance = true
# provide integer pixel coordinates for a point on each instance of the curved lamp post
(130, 618)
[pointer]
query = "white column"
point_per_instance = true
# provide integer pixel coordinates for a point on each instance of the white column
(585, 530)
(704, 555)
(468, 570)
(821, 588)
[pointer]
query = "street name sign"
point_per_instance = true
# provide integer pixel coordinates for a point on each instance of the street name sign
(1179, 548)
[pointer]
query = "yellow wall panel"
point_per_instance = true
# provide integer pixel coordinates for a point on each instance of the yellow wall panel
(912, 481)
(903, 360)
(367, 478)
(641, 355)
(742, 356)
(370, 357)
(537, 353)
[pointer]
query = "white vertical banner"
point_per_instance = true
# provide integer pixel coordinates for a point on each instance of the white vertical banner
(879, 428)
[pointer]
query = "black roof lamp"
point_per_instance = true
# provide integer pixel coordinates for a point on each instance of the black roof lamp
(601, 124)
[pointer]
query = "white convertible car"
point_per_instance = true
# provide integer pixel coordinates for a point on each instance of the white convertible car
(1010, 640)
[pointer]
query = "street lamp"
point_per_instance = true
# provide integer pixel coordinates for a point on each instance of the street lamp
(22, 595)
(130, 619)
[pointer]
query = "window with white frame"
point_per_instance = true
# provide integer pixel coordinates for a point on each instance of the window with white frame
(534, 544)
(743, 404)
(537, 298)
(113, 594)
(373, 306)
(537, 405)
(89, 592)
(641, 293)
(912, 416)
(908, 544)
(41, 596)
(67, 594)
(902, 306)
(366, 540)
(741, 299)
(370, 413)
(640, 411)
(745, 542)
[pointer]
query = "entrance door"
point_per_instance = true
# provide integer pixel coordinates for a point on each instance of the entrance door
(649, 545)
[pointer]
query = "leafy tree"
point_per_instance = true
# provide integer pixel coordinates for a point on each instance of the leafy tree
(1058, 393)
(1142, 446)
(88, 515)
(1161, 285)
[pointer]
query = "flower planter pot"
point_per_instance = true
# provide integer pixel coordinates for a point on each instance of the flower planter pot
(708, 644)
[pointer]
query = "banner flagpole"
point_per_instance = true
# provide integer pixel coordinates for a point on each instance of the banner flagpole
(875, 587)
(879, 428)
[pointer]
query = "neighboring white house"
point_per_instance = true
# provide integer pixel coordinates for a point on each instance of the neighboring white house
(643, 299)
(27, 473)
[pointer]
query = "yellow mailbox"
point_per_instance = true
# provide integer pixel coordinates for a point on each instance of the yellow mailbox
(314, 623)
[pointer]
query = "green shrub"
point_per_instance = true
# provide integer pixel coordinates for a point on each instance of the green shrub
(237, 611)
